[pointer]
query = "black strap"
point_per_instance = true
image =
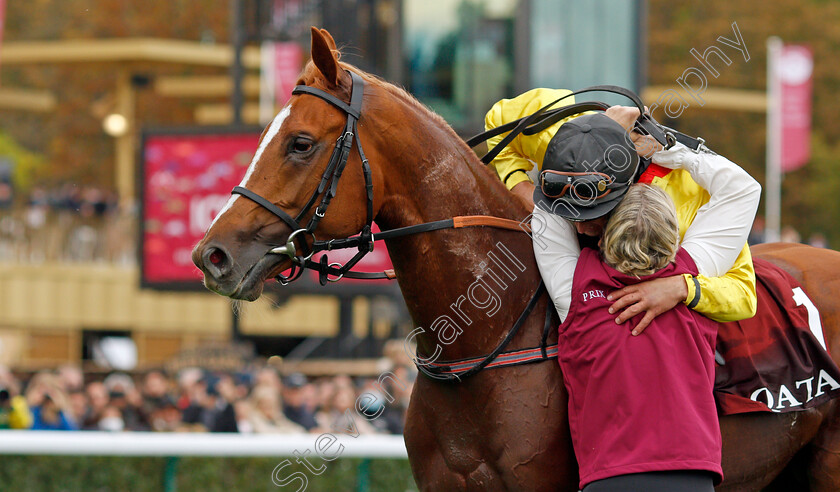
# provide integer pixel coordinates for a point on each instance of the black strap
(352, 242)
(292, 223)
(544, 118)
(305, 89)
(553, 116)
(437, 372)
(522, 124)
(336, 272)
(472, 142)
(549, 316)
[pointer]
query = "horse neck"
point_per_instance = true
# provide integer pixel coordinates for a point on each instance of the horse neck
(474, 279)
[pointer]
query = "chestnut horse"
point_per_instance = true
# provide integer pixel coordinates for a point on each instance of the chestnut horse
(505, 428)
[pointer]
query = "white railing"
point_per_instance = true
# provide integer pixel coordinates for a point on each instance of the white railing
(94, 443)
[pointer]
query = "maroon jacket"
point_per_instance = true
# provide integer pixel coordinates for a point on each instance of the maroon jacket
(644, 403)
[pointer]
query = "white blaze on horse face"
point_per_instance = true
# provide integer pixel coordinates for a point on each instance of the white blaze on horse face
(269, 136)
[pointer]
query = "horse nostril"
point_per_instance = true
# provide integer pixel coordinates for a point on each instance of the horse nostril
(216, 262)
(216, 257)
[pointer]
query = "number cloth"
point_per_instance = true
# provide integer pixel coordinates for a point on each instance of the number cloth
(775, 361)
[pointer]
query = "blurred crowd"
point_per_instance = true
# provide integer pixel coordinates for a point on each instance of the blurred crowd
(197, 400)
(66, 223)
(788, 234)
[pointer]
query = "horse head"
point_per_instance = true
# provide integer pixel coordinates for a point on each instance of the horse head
(295, 153)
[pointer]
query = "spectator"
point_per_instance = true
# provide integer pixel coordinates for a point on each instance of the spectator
(818, 240)
(50, 410)
(204, 402)
(112, 420)
(14, 412)
(268, 376)
(789, 235)
(188, 385)
(127, 399)
(155, 395)
(266, 415)
(339, 415)
(71, 378)
(78, 408)
(295, 406)
(97, 397)
(757, 234)
(212, 407)
(166, 417)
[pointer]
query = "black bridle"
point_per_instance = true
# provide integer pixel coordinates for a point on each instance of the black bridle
(326, 189)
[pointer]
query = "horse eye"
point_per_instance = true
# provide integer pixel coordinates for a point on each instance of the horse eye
(301, 145)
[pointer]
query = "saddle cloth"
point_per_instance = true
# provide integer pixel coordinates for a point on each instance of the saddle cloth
(775, 361)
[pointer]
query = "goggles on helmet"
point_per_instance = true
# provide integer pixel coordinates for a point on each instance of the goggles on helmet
(579, 187)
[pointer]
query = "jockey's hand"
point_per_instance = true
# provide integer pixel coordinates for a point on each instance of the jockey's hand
(652, 297)
(525, 192)
(626, 116)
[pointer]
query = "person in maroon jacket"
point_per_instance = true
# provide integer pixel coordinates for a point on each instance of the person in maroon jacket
(641, 409)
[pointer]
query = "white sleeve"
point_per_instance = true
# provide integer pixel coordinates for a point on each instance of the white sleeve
(557, 250)
(719, 231)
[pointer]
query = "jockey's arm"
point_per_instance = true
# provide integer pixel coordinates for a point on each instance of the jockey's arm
(556, 250)
(730, 297)
(715, 238)
(519, 157)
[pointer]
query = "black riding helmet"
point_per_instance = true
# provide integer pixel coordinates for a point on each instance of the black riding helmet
(588, 166)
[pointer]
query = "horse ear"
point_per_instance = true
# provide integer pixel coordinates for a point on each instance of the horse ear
(330, 40)
(323, 56)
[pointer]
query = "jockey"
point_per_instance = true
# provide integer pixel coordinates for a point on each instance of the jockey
(724, 289)
(642, 413)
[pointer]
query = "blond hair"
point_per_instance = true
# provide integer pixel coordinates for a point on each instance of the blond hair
(642, 235)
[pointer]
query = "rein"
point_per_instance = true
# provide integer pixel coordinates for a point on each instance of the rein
(364, 241)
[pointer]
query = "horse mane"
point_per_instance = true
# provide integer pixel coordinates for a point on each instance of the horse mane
(412, 101)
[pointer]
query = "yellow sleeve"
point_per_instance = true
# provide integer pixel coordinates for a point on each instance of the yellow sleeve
(525, 150)
(730, 297)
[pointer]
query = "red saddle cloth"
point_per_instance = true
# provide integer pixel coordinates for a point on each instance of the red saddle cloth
(775, 361)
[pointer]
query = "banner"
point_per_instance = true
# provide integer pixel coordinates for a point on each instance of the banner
(288, 63)
(280, 67)
(186, 179)
(794, 69)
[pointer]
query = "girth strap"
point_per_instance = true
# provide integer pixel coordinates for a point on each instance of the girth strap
(505, 359)
(442, 371)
